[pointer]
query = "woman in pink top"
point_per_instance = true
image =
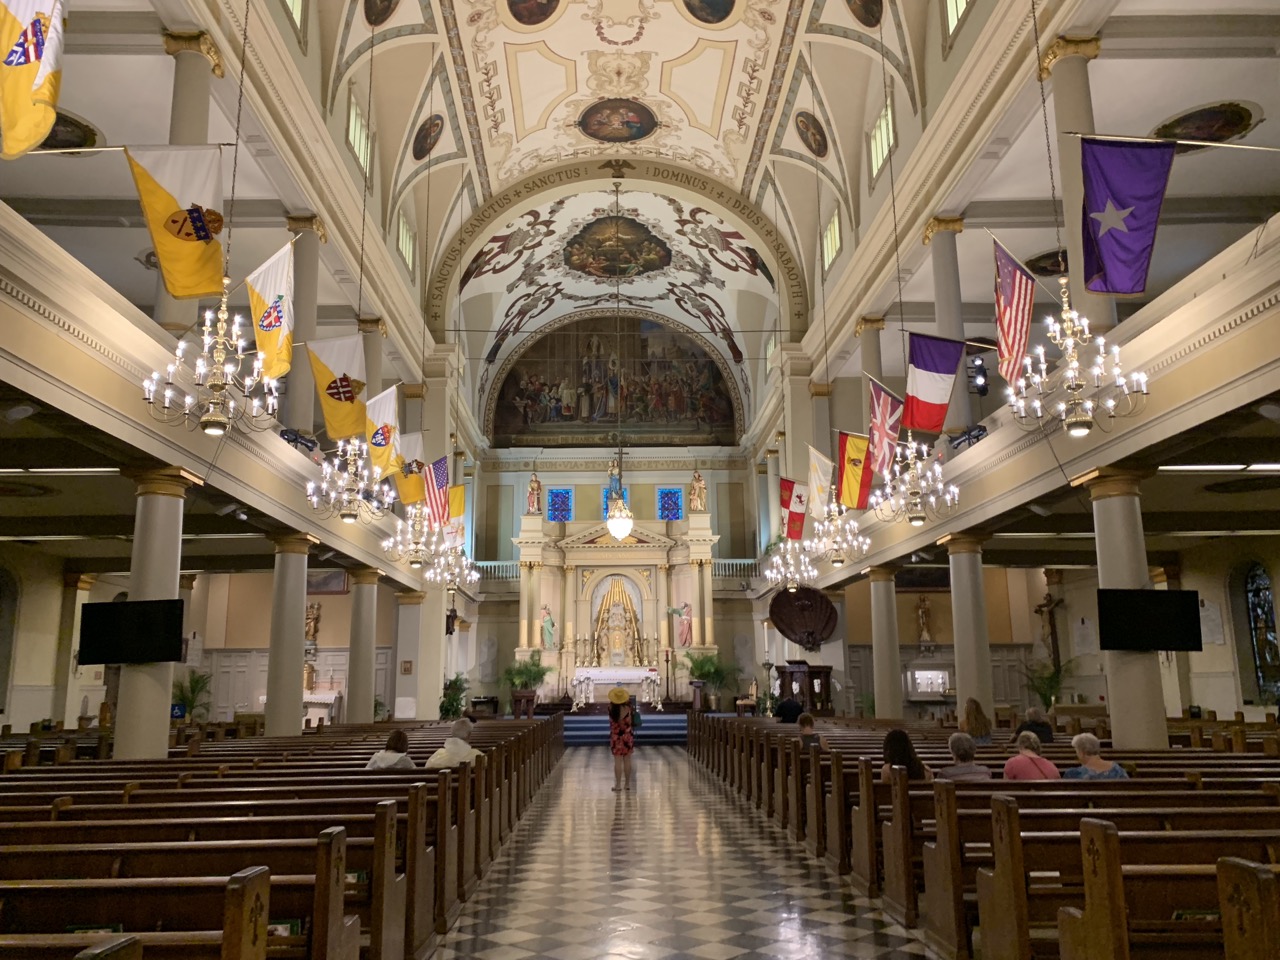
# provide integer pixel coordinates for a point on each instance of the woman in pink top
(1028, 764)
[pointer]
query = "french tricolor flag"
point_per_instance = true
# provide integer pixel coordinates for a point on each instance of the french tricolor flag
(931, 372)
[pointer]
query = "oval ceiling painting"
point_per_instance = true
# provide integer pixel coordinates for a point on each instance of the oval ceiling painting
(617, 120)
(1218, 122)
(616, 247)
(812, 133)
(378, 12)
(530, 13)
(866, 12)
(427, 136)
(710, 11)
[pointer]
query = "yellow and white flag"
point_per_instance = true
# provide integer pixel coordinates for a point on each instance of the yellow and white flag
(338, 367)
(30, 74)
(455, 534)
(181, 193)
(271, 303)
(382, 430)
(411, 487)
(819, 483)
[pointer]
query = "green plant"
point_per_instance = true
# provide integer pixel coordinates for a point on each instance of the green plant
(453, 702)
(193, 692)
(711, 670)
(380, 711)
(527, 674)
(1045, 680)
(867, 703)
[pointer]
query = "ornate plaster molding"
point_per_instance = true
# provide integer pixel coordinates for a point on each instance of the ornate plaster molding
(201, 43)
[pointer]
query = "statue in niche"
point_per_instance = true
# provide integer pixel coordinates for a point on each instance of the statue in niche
(924, 616)
(533, 502)
(548, 629)
(697, 493)
(684, 627)
(617, 624)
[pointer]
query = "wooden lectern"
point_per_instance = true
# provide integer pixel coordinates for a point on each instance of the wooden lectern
(808, 683)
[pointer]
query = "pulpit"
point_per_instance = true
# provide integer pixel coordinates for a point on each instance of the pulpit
(808, 683)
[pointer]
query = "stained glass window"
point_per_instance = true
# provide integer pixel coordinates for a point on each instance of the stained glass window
(560, 505)
(1262, 631)
(670, 503)
(604, 500)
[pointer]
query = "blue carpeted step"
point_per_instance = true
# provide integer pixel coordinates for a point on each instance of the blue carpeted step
(657, 729)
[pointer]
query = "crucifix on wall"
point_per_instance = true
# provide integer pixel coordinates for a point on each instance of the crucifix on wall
(1049, 627)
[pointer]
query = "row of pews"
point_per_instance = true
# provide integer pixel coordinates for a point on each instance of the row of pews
(1180, 860)
(246, 848)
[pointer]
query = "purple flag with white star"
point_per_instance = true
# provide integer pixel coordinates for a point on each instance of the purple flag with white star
(1124, 184)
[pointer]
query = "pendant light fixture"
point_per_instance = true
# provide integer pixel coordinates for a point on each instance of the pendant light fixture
(618, 517)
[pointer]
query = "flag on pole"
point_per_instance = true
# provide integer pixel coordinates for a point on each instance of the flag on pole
(886, 424)
(456, 532)
(853, 479)
(1124, 186)
(271, 304)
(410, 484)
(382, 430)
(338, 367)
(1015, 299)
(31, 42)
(795, 500)
(931, 372)
(437, 490)
(819, 483)
(180, 189)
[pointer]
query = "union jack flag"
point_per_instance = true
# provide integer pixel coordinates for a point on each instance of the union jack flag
(438, 492)
(886, 423)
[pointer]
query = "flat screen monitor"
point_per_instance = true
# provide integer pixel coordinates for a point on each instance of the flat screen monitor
(133, 631)
(1148, 619)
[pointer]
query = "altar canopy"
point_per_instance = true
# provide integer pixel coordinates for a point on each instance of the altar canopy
(617, 625)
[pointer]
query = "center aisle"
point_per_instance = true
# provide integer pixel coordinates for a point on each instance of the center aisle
(672, 868)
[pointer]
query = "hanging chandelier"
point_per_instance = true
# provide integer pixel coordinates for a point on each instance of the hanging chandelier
(417, 540)
(618, 517)
(789, 566)
(1070, 393)
(452, 568)
(348, 489)
(836, 539)
(915, 490)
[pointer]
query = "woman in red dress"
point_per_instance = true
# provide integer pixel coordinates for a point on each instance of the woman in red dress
(621, 739)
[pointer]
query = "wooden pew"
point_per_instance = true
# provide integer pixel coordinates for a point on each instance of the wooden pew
(1249, 901)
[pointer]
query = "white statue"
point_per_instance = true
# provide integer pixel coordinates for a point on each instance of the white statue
(697, 493)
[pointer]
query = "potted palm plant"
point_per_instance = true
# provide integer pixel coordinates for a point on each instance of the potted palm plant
(193, 692)
(453, 701)
(709, 671)
(1045, 680)
(524, 677)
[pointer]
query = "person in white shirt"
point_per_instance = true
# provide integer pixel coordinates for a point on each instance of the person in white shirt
(456, 748)
(395, 756)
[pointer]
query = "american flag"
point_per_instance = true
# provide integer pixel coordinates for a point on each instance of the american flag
(438, 491)
(1015, 299)
(886, 422)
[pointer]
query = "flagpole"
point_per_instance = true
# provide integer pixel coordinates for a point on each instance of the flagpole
(1054, 295)
(79, 150)
(885, 389)
(1177, 140)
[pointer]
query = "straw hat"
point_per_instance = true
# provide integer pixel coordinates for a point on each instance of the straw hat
(619, 696)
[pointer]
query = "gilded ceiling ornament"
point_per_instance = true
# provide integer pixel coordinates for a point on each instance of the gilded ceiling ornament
(613, 73)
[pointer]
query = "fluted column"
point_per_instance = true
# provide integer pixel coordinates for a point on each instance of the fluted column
(300, 395)
(526, 575)
(969, 620)
(286, 655)
(886, 661)
(408, 634)
(664, 604)
(364, 634)
(146, 689)
(1067, 61)
(948, 307)
(569, 592)
(709, 605)
(66, 701)
(695, 599)
(372, 332)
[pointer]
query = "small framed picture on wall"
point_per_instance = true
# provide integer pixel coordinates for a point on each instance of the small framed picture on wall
(406, 667)
(326, 582)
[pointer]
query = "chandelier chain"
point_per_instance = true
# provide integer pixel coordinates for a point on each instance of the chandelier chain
(1048, 143)
(235, 150)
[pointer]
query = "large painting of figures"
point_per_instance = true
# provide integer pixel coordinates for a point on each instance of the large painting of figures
(580, 380)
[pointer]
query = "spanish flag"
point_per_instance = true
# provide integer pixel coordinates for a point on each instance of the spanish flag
(31, 42)
(181, 191)
(382, 430)
(853, 476)
(410, 485)
(338, 367)
(271, 303)
(455, 533)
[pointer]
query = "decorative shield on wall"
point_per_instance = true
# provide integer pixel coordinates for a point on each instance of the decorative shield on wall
(804, 616)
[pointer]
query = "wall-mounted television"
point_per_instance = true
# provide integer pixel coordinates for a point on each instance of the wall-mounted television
(1149, 620)
(133, 631)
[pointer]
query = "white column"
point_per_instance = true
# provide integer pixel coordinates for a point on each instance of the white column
(526, 577)
(820, 410)
(196, 59)
(299, 396)
(1135, 694)
(797, 411)
(773, 462)
(969, 621)
(1067, 60)
(146, 689)
(66, 691)
(364, 627)
(371, 332)
(948, 308)
(286, 656)
(408, 640)
(430, 665)
(664, 604)
(886, 662)
(695, 601)
(709, 605)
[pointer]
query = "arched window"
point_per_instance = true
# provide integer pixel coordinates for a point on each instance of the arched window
(1261, 609)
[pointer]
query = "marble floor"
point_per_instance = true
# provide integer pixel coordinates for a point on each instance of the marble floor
(673, 868)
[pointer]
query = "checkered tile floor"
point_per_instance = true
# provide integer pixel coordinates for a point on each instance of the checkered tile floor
(674, 868)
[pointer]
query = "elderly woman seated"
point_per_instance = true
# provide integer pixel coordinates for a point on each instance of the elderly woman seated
(964, 770)
(1092, 766)
(457, 748)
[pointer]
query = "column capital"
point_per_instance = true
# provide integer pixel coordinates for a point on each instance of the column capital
(863, 324)
(414, 391)
(371, 325)
(882, 574)
(770, 454)
(762, 469)
(1170, 573)
(1064, 47)
(293, 542)
(163, 481)
(966, 541)
(819, 389)
(201, 43)
(410, 598)
(462, 623)
(794, 361)
(941, 225)
(186, 581)
(1106, 482)
(81, 581)
(310, 222)
(364, 576)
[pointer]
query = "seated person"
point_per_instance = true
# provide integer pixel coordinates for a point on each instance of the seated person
(395, 756)
(1027, 764)
(457, 748)
(1037, 724)
(1092, 766)
(899, 751)
(808, 737)
(788, 710)
(964, 770)
(975, 723)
